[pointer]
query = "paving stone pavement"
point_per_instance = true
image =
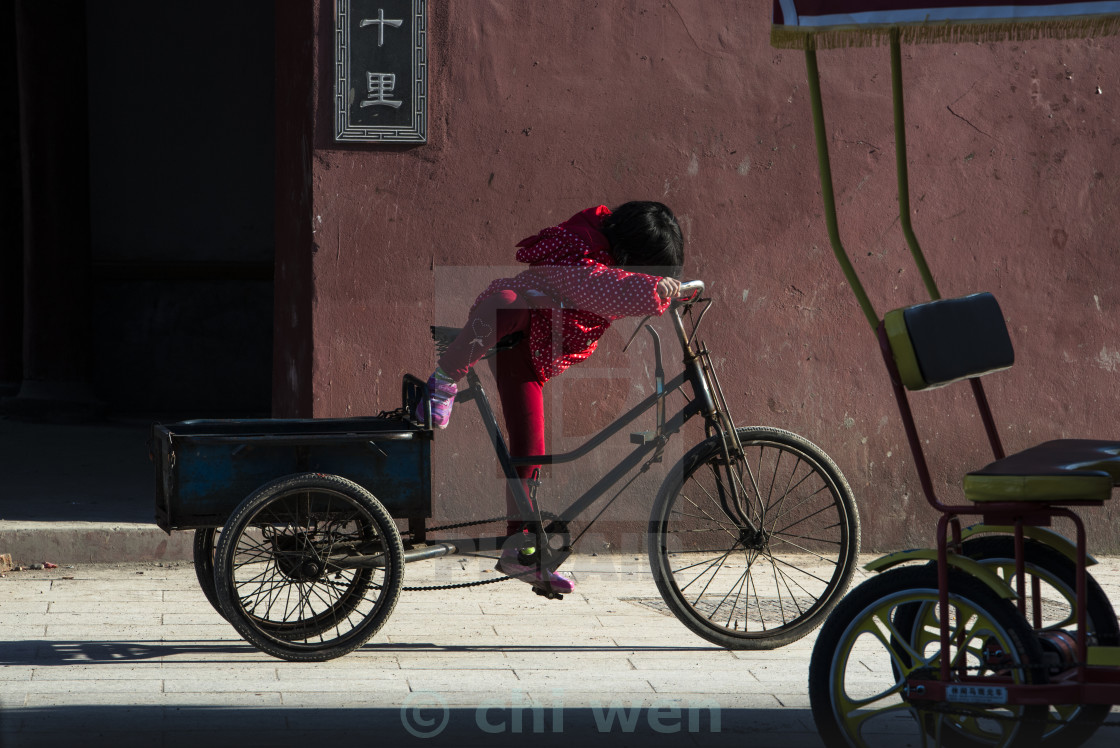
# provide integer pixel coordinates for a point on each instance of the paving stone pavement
(133, 655)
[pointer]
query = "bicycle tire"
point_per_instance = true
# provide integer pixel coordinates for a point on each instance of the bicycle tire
(204, 544)
(277, 544)
(807, 517)
(1060, 573)
(860, 664)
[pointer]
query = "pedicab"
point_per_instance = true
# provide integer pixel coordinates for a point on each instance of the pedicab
(752, 538)
(998, 635)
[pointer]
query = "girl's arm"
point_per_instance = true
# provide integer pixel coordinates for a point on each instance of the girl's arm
(606, 291)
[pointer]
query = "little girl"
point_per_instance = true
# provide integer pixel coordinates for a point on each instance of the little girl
(582, 276)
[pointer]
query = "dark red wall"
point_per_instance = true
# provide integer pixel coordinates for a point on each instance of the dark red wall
(540, 109)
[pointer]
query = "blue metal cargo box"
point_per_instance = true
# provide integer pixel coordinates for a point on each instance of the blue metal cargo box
(206, 468)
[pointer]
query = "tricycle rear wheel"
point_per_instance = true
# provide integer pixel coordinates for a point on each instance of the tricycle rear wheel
(309, 567)
(205, 539)
(205, 545)
(1070, 724)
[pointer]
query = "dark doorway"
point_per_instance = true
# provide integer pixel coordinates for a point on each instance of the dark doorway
(182, 141)
(136, 241)
(136, 261)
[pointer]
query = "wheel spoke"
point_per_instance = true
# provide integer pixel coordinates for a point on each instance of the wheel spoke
(715, 502)
(723, 553)
(739, 582)
(717, 566)
(803, 549)
(735, 603)
(806, 518)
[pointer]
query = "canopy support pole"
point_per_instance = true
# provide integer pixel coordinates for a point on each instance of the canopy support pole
(827, 193)
(903, 173)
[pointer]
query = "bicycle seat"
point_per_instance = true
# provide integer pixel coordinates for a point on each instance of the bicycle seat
(443, 336)
(944, 341)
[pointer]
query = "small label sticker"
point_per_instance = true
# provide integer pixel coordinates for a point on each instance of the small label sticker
(976, 694)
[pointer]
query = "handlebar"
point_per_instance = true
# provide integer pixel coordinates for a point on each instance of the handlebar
(691, 289)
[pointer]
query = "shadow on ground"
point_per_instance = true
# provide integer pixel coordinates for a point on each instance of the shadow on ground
(33, 653)
(422, 720)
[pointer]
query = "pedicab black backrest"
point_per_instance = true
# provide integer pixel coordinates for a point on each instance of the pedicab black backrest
(944, 341)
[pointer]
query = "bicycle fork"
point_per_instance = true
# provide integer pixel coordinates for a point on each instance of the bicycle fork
(733, 494)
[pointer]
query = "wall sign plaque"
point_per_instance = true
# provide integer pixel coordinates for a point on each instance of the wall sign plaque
(381, 64)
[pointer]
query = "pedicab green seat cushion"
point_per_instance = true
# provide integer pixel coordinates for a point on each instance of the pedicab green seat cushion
(1064, 470)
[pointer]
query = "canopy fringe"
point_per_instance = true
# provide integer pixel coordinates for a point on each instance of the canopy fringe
(944, 32)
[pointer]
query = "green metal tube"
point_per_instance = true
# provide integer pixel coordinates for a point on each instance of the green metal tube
(903, 171)
(827, 193)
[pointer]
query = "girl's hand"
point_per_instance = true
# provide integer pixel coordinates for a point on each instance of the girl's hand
(668, 288)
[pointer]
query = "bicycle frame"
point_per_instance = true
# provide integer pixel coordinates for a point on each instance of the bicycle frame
(707, 400)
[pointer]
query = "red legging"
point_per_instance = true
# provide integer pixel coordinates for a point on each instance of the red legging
(520, 390)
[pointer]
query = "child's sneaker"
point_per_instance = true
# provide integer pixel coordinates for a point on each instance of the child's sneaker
(441, 393)
(511, 565)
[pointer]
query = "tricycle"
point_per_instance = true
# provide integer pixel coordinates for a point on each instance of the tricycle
(752, 538)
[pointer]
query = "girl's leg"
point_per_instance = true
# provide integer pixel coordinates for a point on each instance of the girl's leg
(496, 316)
(522, 396)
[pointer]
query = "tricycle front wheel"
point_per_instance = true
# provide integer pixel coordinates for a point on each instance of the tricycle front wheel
(755, 553)
(309, 567)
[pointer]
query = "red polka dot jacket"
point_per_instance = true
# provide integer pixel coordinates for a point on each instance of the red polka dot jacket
(571, 265)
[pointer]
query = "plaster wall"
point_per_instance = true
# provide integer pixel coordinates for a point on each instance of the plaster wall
(538, 110)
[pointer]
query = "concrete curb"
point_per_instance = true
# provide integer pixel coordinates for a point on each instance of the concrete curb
(92, 543)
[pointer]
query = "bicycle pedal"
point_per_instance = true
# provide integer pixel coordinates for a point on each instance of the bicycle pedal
(547, 593)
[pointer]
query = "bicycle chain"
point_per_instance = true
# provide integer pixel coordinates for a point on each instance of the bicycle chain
(403, 414)
(472, 523)
(462, 585)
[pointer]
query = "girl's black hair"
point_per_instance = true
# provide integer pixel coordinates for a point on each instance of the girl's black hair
(644, 235)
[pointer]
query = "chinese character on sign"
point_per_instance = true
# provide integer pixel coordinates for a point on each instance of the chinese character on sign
(380, 21)
(380, 87)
